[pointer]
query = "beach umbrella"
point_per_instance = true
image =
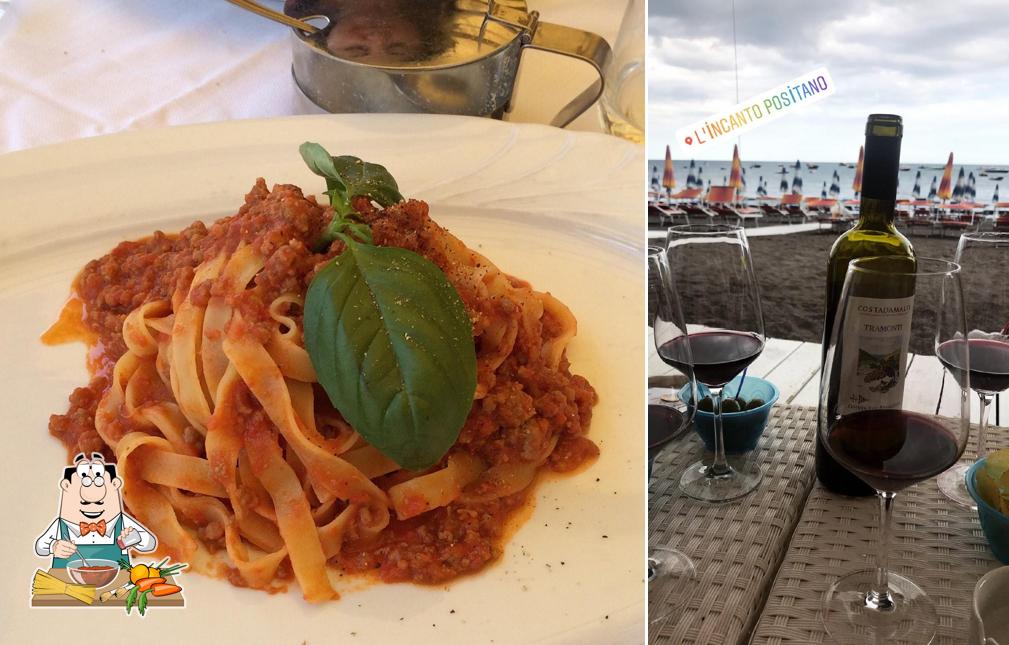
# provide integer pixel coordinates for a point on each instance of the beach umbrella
(655, 178)
(798, 166)
(700, 178)
(797, 184)
(946, 185)
(736, 174)
(857, 183)
(932, 192)
(762, 188)
(823, 191)
(970, 192)
(668, 179)
(725, 180)
(783, 187)
(994, 197)
(960, 185)
(691, 179)
(835, 185)
(916, 191)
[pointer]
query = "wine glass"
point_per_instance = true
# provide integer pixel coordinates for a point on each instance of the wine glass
(723, 329)
(654, 297)
(622, 105)
(984, 265)
(888, 307)
(668, 569)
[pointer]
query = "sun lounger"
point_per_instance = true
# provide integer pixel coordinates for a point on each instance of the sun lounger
(791, 203)
(722, 201)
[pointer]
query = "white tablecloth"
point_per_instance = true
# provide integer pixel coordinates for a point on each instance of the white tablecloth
(78, 68)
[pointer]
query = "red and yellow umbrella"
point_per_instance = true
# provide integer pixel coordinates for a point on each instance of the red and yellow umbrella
(946, 185)
(668, 179)
(736, 175)
(857, 184)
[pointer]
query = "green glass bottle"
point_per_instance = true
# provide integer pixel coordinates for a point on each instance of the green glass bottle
(873, 235)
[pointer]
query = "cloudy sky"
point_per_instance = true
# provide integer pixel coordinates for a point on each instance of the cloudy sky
(942, 65)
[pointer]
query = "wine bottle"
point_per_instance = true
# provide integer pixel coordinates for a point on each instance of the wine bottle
(873, 235)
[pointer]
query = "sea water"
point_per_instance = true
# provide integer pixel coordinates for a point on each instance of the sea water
(816, 180)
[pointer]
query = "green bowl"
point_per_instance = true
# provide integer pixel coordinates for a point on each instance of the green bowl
(741, 430)
(994, 523)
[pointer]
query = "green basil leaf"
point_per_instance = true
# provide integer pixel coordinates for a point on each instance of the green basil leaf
(321, 163)
(392, 345)
(368, 179)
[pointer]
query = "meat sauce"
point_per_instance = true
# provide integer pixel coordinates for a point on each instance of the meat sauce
(527, 405)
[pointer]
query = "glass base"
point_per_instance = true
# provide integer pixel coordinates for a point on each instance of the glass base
(699, 482)
(953, 485)
(669, 572)
(852, 615)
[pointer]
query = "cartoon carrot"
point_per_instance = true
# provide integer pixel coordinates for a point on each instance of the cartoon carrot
(165, 589)
(146, 583)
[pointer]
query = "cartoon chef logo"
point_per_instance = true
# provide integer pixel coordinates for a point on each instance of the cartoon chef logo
(90, 544)
(92, 524)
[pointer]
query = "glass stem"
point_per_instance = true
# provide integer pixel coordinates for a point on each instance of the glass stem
(982, 425)
(721, 465)
(880, 598)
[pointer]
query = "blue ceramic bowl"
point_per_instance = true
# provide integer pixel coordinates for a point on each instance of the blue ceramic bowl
(741, 430)
(994, 523)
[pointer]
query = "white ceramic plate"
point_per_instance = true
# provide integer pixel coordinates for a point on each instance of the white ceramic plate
(560, 209)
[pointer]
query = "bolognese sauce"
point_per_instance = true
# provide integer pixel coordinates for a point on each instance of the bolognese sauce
(529, 409)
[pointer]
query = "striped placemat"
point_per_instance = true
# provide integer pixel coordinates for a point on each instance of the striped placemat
(936, 543)
(737, 547)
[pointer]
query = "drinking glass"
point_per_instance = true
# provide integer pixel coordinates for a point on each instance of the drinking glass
(654, 296)
(711, 269)
(669, 570)
(870, 422)
(984, 265)
(622, 104)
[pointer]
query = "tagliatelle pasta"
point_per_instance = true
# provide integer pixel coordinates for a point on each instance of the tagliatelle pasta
(232, 454)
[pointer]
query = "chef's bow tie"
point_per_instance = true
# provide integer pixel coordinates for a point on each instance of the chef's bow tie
(87, 527)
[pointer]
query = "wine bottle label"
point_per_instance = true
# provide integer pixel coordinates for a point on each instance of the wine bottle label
(872, 378)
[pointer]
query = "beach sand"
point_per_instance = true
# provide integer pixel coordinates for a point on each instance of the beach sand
(791, 271)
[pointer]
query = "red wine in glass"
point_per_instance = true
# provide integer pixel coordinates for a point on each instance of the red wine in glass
(892, 449)
(988, 360)
(887, 443)
(718, 356)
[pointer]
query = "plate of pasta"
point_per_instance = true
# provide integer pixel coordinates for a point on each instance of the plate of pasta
(372, 377)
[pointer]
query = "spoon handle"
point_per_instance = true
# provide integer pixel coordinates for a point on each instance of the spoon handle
(82, 557)
(276, 16)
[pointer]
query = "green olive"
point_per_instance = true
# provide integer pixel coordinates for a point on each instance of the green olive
(730, 405)
(706, 405)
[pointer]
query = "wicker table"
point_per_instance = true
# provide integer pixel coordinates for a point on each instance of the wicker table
(765, 561)
(737, 547)
(935, 543)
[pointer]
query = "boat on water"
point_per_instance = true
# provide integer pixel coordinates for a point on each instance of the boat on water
(904, 169)
(812, 166)
(995, 171)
